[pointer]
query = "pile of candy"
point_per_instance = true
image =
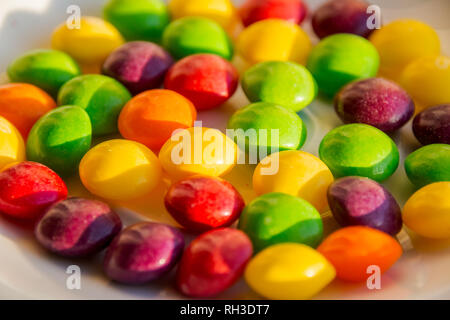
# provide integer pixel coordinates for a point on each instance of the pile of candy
(107, 77)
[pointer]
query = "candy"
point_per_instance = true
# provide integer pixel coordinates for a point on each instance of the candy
(12, 147)
(101, 97)
(60, 139)
(46, 69)
(273, 40)
(375, 101)
(284, 83)
(203, 203)
(342, 16)
(138, 65)
(433, 125)
(359, 150)
(297, 173)
(428, 164)
(263, 128)
(401, 42)
(191, 35)
(361, 201)
(352, 250)
(340, 59)
(77, 227)
(143, 252)
(28, 188)
(277, 218)
(152, 116)
(23, 104)
(213, 262)
(205, 79)
(427, 80)
(289, 271)
(138, 19)
(120, 170)
(198, 150)
(427, 212)
(252, 11)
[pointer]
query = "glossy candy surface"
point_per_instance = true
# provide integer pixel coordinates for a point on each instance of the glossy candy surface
(191, 35)
(289, 271)
(428, 164)
(101, 97)
(46, 69)
(277, 218)
(213, 262)
(28, 188)
(433, 125)
(340, 59)
(77, 227)
(143, 252)
(12, 147)
(60, 139)
(252, 11)
(297, 173)
(23, 104)
(285, 83)
(205, 79)
(202, 203)
(359, 150)
(138, 65)
(427, 212)
(120, 170)
(152, 116)
(352, 250)
(362, 201)
(376, 101)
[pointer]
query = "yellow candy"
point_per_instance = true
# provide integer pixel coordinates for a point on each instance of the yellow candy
(198, 150)
(273, 39)
(427, 80)
(12, 147)
(91, 43)
(289, 271)
(120, 170)
(401, 42)
(427, 212)
(299, 174)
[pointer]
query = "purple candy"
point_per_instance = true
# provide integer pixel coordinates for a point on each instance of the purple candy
(143, 252)
(77, 227)
(138, 65)
(375, 101)
(433, 125)
(362, 201)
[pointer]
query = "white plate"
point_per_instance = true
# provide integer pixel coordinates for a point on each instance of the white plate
(27, 271)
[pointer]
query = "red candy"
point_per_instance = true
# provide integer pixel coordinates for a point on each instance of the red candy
(255, 10)
(203, 203)
(207, 80)
(213, 262)
(28, 188)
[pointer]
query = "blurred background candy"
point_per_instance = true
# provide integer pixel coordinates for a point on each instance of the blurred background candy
(252, 11)
(433, 125)
(12, 146)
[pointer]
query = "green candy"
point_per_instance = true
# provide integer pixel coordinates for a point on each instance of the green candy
(267, 116)
(429, 164)
(138, 19)
(46, 69)
(192, 35)
(102, 97)
(277, 218)
(285, 83)
(359, 150)
(340, 59)
(60, 139)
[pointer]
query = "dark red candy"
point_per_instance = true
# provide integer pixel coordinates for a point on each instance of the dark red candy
(207, 80)
(28, 188)
(203, 203)
(252, 11)
(433, 125)
(77, 227)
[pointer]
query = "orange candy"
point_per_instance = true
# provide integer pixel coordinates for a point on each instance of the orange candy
(152, 116)
(352, 250)
(23, 104)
